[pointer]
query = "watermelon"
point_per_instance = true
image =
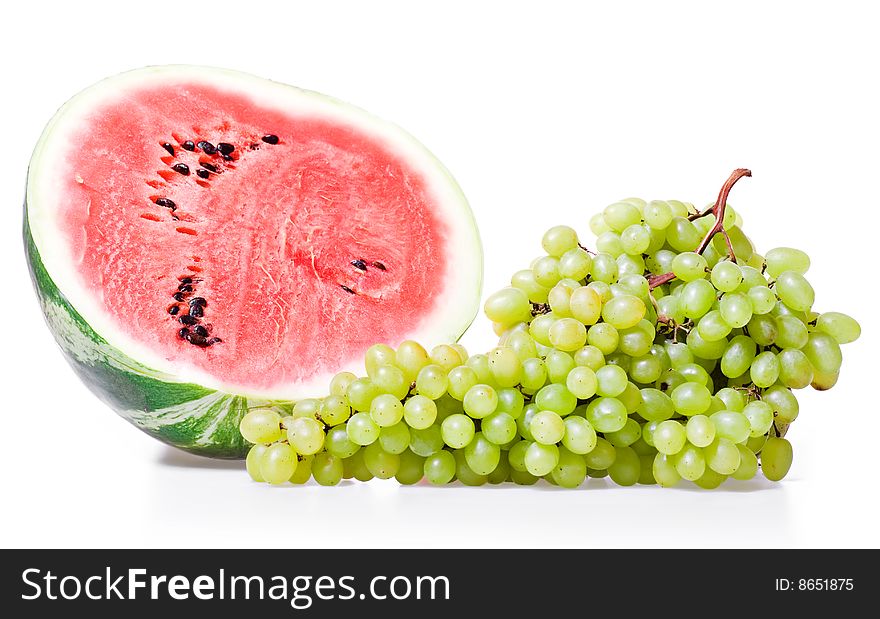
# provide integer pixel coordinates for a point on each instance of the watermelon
(204, 242)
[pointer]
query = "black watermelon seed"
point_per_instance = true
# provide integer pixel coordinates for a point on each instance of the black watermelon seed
(270, 139)
(209, 166)
(182, 168)
(185, 288)
(186, 280)
(198, 340)
(183, 332)
(173, 310)
(169, 148)
(207, 147)
(200, 330)
(198, 301)
(228, 157)
(359, 264)
(187, 320)
(177, 296)
(214, 340)
(347, 289)
(225, 148)
(196, 310)
(166, 203)
(188, 145)
(203, 173)
(379, 266)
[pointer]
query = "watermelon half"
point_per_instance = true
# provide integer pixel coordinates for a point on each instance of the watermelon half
(204, 241)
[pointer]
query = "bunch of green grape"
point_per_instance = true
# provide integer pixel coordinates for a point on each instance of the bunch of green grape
(602, 369)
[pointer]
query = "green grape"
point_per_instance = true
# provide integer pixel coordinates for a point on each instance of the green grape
(700, 430)
(738, 356)
(601, 456)
(505, 366)
(546, 270)
(784, 403)
(655, 405)
(570, 470)
(763, 329)
(380, 463)
(604, 337)
(278, 463)
(658, 214)
(726, 276)
(354, 467)
(585, 305)
(627, 435)
(378, 355)
(669, 437)
(689, 266)
(575, 264)
(556, 398)
(844, 329)
(499, 428)
(760, 416)
(682, 235)
(261, 425)
(338, 443)
(461, 379)
(823, 352)
(694, 373)
(691, 399)
(751, 277)
(710, 479)
(664, 471)
(558, 240)
(762, 299)
(339, 384)
(620, 215)
(795, 291)
(722, 456)
(568, 334)
(431, 381)
(824, 380)
(646, 369)
(501, 473)
(611, 380)
(308, 407)
(626, 468)
(386, 410)
(733, 399)
(558, 365)
(781, 259)
(303, 471)
(395, 439)
(791, 332)
(541, 459)
(624, 311)
(748, 464)
(464, 473)
(516, 455)
(362, 430)
(680, 209)
(391, 380)
(508, 306)
(742, 246)
(334, 410)
(598, 225)
(795, 370)
(606, 414)
(411, 469)
(712, 327)
(589, 356)
(696, 298)
(604, 268)
(534, 374)
(671, 308)
(756, 444)
(736, 309)
(579, 436)
(439, 468)
(631, 398)
(306, 436)
(525, 280)
(630, 265)
(420, 412)
(480, 401)
(732, 426)
(482, 455)
(559, 299)
(411, 357)
(522, 344)
(635, 239)
(635, 341)
(776, 458)
(426, 442)
(670, 379)
(634, 284)
(765, 369)
(679, 354)
(327, 469)
(510, 401)
(457, 430)
(360, 394)
(547, 427)
(252, 463)
(446, 357)
(690, 463)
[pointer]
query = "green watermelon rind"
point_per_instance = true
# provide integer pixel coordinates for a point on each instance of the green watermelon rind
(189, 416)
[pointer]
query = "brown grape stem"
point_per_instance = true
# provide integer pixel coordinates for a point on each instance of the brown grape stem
(717, 210)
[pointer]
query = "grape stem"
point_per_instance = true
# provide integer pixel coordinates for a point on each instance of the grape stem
(717, 210)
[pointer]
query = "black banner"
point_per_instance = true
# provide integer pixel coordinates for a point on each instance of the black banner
(419, 583)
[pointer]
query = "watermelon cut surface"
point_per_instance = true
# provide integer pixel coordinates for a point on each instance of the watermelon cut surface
(204, 242)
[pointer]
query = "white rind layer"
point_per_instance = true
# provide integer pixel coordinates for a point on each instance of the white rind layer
(462, 281)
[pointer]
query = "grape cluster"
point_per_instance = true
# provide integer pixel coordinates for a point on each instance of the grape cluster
(669, 354)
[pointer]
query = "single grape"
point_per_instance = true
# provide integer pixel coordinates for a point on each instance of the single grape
(499, 428)
(658, 214)
(501, 473)
(379, 462)
(735, 309)
(823, 352)
(748, 464)
(710, 479)
(627, 435)
(446, 357)
(762, 329)
(626, 468)
(541, 459)
(669, 437)
(635, 239)
(411, 468)
(568, 334)
(558, 365)
(601, 456)
(306, 436)
(386, 410)
(604, 268)
(511, 401)
(762, 299)
(664, 470)
(765, 369)
(726, 276)
(760, 416)
(655, 405)
(776, 457)
(700, 430)
(419, 412)
(611, 380)
(378, 355)
(783, 402)
(261, 426)
(508, 306)
(525, 280)
(254, 458)
(575, 264)
(682, 235)
(795, 291)
(339, 384)
(795, 370)
(688, 266)
(277, 463)
(696, 298)
(712, 326)
(361, 429)
(482, 455)
(570, 470)
(738, 356)
(624, 311)
(338, 443)
(791, 332)
(546, 270)
(691, 399)
(461, 379)
(547, 427)
(732, 426)
(411, 357)
(579, 436)
(480, 401)
(604, 337)
(360, 394)
(556, 398)
(457, 430)
(844, 329)
(781, 259)
(395, 439)
(620, 215)
(327, 469)
(690, 463)
(558, 240)
(606, 414)
(390, 379)
(426, 442)
(722, 456)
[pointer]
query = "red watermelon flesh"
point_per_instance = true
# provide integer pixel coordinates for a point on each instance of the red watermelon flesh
(247, 238)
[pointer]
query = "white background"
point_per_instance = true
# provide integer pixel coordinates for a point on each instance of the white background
(545, 112)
